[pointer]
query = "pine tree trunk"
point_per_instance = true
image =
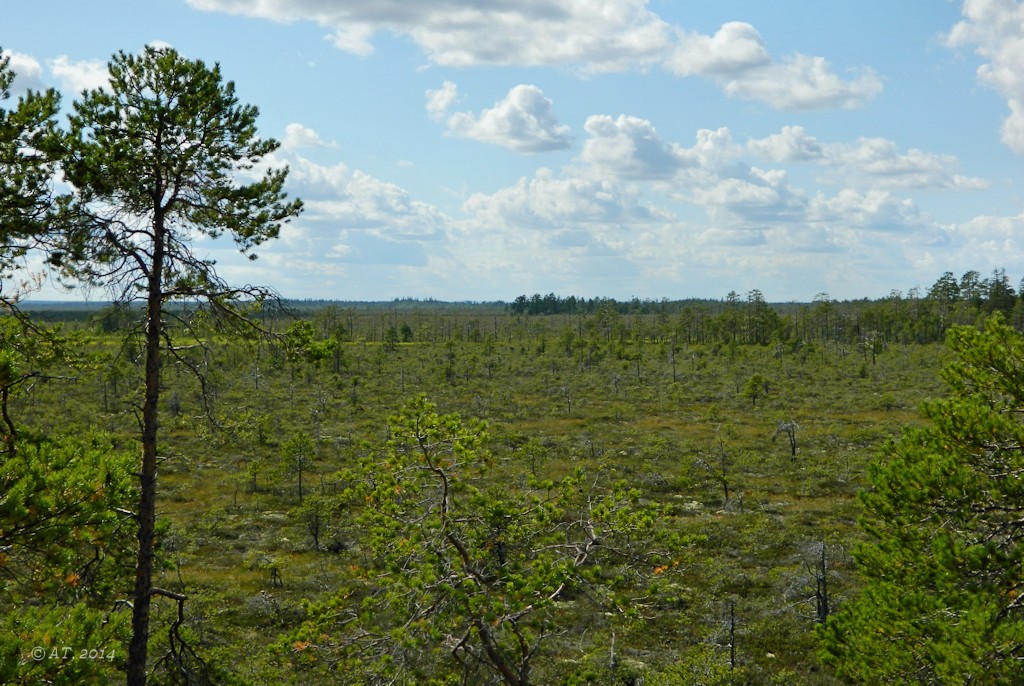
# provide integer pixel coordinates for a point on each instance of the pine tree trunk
(138, 648)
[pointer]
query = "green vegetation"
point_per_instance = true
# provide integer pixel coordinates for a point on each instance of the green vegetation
(941, 602)
(735, 545)
(552, 491)
(154, 159)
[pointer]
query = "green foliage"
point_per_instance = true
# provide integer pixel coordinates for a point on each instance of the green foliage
(27, 351)
(942, 602)
(253, 572)
(64, 645)
(163, 143)
(756, 387)
(28, 137)
(59, 517)
(473, 572)
(297, 455)
(156, 160)
(64, 546)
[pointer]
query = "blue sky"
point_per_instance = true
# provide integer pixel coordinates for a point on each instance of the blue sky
(472, 150)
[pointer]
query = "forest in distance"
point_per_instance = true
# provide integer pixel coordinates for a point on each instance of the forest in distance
(201, 484)
(918, 315)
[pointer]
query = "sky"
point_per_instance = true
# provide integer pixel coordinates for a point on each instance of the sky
(483, 149)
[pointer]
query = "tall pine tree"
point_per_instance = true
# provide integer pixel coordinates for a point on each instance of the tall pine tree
(161, 157)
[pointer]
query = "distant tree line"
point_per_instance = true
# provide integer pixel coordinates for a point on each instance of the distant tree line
(915, 316)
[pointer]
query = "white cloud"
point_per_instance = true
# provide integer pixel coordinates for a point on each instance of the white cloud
(554, 229)
(714, 148)
(630, 147)
(352, 215)
(360, 237)
(548, 202)
(984, 243)
(996, 29)
(736, 47)
(715, 175)
(586, 35)
(867, 162)
(298, 136)
(802, 83)
(791, 144)
(876, 162)
(737, 59)
(609, 35)
(78, 76)
(441, 100)
(735, 192)
(875, 209)
(632, 208)
(27, 72)
(755, 200)
(338, 197)
(564, 232)
(523, 121)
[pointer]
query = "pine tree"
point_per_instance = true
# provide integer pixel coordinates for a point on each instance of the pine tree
(158, 159)
(28, 153)
(945, 520)
(467, 583)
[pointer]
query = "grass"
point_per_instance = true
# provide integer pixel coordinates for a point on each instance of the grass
(675, 440)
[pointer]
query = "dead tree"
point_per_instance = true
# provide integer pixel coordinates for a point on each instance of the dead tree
(822, 600)
(789, 429)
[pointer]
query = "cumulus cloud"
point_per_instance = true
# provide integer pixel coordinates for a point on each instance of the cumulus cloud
(574, 230)
(564, 231)
(736, 47)
(875, 209)
(737, 58)
(604, 36)
(735, 192)
(549, 202)
(28, 72)
(719, 176)
(633, 207)
(441, 100)
(802, 83)
(558, 226)
(610, 35)
(753, 200)
(351, 217)
(298, 136)
(791, 144)
(866, 162)
(630, 147)
(78, 76)
(995, 238)
(360, 236)
(996, 30)
(341, 198)
(524, 121)
(879, 163)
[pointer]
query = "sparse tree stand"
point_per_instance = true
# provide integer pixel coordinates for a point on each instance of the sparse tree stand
(157, 159)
